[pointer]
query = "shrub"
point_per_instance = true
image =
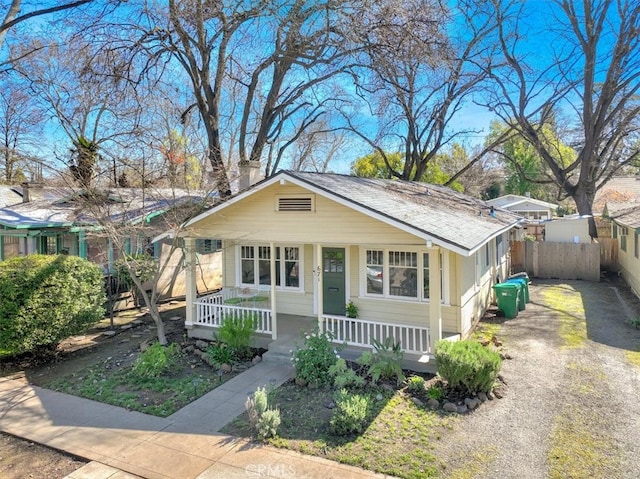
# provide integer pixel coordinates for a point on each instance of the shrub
(237, 332)
(435, 392)
(415, 384)
(219, 354)
(467, 365)
(350, 414)
(385, 361)
(156, 361)
(45, 299)
(264, 421)
(343, 376)
(313, 360)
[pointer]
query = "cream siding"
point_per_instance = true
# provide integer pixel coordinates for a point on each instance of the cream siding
(255, 218)
(629, 264)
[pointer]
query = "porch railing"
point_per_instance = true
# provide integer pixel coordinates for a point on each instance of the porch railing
(213, 309)
(358, 332)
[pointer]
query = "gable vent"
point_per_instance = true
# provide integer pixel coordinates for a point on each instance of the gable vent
(295, 203)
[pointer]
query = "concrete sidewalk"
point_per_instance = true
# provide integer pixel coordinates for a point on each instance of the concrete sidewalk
(184, 445)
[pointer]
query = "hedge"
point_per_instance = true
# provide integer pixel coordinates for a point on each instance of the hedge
(45, 299)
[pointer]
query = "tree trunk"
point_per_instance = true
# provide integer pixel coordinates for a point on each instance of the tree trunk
(584, 205)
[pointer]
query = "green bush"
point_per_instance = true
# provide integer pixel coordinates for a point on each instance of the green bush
(45, 299)
(385, 361)
(435, 392)
(219, 354)
(415, 384)
(157, 360)
(350, 414)
(343, 376)
(264, 420)
(467, 365)
(237, 332)
(313, 360)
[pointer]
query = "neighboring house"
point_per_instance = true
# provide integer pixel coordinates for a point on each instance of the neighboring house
(57, 220)
(298, 246)
(525, 206)
(568, 229)
(619, 189)
(626, 230)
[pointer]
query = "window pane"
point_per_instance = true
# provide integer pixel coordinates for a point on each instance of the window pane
(425, 280)
(264, 264)
(292, 267)
(375, 259)
(247, 265)
(403, 274)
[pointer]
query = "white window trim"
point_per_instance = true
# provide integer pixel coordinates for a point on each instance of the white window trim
(238, 265)
(385, 274)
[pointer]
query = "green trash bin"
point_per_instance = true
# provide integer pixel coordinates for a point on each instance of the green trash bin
(526, 282)
(522, 291)
(507, 298)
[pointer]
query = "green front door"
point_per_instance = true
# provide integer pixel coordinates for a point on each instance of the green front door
(333, 280)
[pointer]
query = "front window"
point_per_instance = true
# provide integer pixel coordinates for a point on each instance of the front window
(399, 274)
(403, 274)
(255, 266)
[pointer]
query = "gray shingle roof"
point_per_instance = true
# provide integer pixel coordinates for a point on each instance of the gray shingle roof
(629, 217)
(436, 211)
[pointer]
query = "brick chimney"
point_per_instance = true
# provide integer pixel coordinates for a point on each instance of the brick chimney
(248, 174)
(31, 191)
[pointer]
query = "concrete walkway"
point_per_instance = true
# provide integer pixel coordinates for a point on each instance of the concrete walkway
(185, 445)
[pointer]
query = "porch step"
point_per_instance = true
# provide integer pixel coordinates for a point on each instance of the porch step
(277, 357)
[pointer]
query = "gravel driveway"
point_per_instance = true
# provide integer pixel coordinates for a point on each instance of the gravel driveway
(572, 407)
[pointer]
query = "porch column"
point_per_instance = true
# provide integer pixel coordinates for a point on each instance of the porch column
(435, 296)
(272, 274)
(319, 296)
(190, 281)
(82, 244)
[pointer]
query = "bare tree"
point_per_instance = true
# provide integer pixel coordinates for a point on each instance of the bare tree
(421, 64)
(589, 70)
(20, 121)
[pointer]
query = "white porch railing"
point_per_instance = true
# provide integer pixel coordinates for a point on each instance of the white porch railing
(358, 332)
(211, 310)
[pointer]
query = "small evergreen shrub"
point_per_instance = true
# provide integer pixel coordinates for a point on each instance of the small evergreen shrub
(385, 361)
(264, 421)
(45, 299)
(467, 365)
(350, 414)
(415, 384)
(313, 360)
(343, 376)
(219, 354)
(237, 332)
(435, 392)
(156, 361)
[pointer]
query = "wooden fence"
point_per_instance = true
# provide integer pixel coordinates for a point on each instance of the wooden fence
(608, 254)
(541, 259)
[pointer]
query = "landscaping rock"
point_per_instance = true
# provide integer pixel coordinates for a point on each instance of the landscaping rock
(197, 352)
(330, 405)
(450, 407)
(256, 360)
(144, 345)
(388, 387)
(490, 396)
(109, 333)
(379, 397)
(226, 368)
(174, 302)
(417, 402)
(175, 318)
(126, 326)
(240, 367)
(506, 356)
(300, 382)
(471, 403)
(482, 396)
(189, 349)
(500, 392)
(203, 345)
(462, 409)
(433, 403)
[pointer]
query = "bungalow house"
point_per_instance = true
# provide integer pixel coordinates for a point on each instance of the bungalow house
(626, 230)
(52, 220)
(417, 260)
(525, 206)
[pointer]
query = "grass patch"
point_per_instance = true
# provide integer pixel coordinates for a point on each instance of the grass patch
(476, 464)
(486, 331)
(633, 357)
(160, 396)
(568, 303)
(580, 445)
(406, 433)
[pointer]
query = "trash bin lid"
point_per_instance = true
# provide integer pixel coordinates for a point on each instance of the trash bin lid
(507, 285)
